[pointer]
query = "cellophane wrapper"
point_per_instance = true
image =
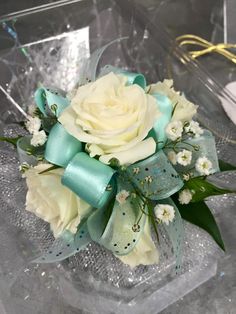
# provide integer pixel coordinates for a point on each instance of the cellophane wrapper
(94, 280)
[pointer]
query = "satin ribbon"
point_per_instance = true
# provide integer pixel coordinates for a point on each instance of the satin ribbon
(61, 147)
(89, 179)
(50, 101)
(165, 107)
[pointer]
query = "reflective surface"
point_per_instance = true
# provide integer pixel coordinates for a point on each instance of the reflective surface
(53, 53)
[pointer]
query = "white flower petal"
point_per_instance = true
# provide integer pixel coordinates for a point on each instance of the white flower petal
(184, 157)
(203, 166)
(141, 151)
(174, 130)
(48, 199)
(184, 110)
(185, 196)
(108, 113)
(165, 213)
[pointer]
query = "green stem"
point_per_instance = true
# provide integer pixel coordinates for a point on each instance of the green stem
(11, 140)
(153, 221)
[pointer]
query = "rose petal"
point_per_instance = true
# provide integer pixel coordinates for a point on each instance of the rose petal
(141, 151)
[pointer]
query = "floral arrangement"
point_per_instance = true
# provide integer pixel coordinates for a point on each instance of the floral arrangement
(112, 162)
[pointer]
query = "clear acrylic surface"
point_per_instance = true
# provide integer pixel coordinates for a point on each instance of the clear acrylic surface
(51, 49)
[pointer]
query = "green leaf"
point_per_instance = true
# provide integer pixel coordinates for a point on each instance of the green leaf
(53, 167)
(11, 140)
(202, 189)
(225, 166)
(200, 215)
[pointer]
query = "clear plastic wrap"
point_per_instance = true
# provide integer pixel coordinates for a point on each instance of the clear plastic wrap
(52, 53)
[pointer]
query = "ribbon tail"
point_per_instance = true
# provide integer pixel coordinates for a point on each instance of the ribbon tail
(119, 227)
(175, 231)
(66, 246)
(145, 252)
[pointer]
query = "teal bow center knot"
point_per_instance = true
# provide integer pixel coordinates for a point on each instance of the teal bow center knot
(116, 226)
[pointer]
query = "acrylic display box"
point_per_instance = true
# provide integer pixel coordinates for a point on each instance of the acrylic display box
(50, 48)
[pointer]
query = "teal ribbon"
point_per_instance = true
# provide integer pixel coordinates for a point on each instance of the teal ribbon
(175, 231)
(50, 101)
(61, 147)
(165, 107)
(66, 246)
(124, 226)
(89, 179)
(155, 177)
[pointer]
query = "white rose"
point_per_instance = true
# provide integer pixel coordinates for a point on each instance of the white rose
(184, 109)
(113, 119)
(48, 199)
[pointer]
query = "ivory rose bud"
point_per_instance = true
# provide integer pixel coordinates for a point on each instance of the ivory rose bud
(184, 110)
(113, 119)
(51, 201)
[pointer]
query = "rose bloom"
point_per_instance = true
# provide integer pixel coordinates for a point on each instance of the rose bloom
(113, 119)
(184, 110)
(51, 201)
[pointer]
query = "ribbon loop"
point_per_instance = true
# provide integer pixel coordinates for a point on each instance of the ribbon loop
(50, 101)
(89, 179)
(202, 146)
(61, 147)
(156, 177)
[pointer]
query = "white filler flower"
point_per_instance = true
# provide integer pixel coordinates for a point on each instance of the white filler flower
(33, 124)
(174, 130)
(172, 157)
(165, 213)
(184, 157)
(185, 196)
(31, 109)
(194, 128)
(122, 196)
(38, 139)
(203, 166)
